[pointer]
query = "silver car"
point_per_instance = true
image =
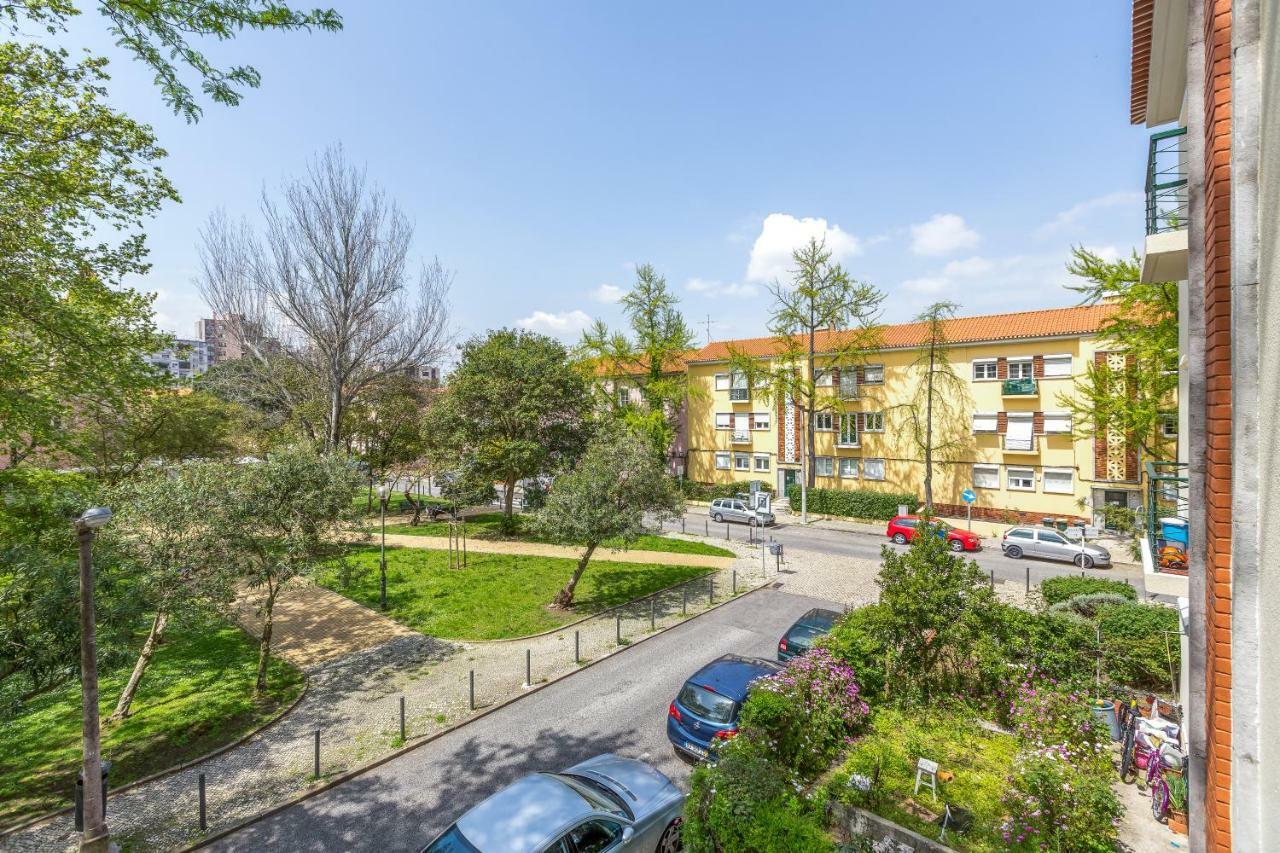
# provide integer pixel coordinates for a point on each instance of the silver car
(606, 803)
(1050, 544)
(736, 509)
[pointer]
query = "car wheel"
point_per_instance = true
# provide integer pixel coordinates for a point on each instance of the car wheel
(670, 841)
(957, 545)
(1013, 551)
(717, 518)
(900, 539)
(1084, 561)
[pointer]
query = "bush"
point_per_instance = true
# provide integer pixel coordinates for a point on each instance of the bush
(1059, 589)
(1140, 645)
(693, 491)
(858, 639)
(1089, 604)
(854, 503)
(1055, 644)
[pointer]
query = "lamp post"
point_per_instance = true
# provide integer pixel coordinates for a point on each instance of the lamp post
(96, 836)
(383, 492)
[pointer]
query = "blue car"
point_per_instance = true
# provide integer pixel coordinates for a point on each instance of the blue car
(705, 712)
(799, 637)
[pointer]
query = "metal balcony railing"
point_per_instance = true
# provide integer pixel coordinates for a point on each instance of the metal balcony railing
(1167, 181)
(741, 437)
(1019, 388)
(1166, 514)
(1020, 444)
(739, 395)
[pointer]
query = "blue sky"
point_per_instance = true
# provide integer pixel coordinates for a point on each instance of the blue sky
(947, 150)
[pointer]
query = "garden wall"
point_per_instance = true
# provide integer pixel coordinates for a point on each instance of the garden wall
(886, 836)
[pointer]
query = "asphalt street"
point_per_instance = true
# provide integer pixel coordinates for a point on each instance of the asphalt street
(619, 705)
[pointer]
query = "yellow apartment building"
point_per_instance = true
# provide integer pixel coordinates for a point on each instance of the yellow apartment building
(1021, 456)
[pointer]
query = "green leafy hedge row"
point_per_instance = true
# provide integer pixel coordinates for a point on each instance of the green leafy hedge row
(854, 503)
(1055, 590)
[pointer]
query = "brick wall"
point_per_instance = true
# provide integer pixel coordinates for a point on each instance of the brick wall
(1002, 368)
(1006, 516)
(1037, 366)
(1216, 215)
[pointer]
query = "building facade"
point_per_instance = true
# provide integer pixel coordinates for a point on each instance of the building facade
(186, 359)
(1019, 450)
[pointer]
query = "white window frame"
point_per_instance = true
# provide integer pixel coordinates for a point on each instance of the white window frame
(848, 417)
(870, 378)
(1169, 425)
(991, 469)
(994, 417)
(866, 474)
(818, 466)
(722, 382)
(742, 461)
(818, 418)
(1071, 484)
(851, 462)
(983, 362)
(1056, 420)
(1009, 472)
(849, 384)
(1024, 364)
(822, 377)
(758, 459)
(624, 396)
(724, 420)
(757, 417)
(879, 416)
(724, 461)
(1053, 360)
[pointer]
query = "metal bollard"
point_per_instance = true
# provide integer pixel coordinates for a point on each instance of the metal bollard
(682, 524)
(684, 604)
(706, 527)
(711, 591)
(993, 580)
(473, 689)
(204, 823)
(317, 753)
(653, 614)
(528, 667)
(735, 581)
(577, 647)
(618, 629)
(1028, 579)
(726, 531)
(402, 727)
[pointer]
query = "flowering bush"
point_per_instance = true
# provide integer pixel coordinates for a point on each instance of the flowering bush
(1046, 718)
(805, 713)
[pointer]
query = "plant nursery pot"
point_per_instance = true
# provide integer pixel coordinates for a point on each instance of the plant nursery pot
(1178, 822)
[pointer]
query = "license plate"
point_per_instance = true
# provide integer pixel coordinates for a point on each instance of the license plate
(695, 749)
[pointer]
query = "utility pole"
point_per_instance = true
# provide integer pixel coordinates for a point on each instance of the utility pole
(96, 837)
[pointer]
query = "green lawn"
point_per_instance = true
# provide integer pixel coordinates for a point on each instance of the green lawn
(195, 697)
(487, 526)
(496, 596)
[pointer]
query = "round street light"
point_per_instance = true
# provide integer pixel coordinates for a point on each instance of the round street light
(383, 492)
(95, 833)
(94, 517)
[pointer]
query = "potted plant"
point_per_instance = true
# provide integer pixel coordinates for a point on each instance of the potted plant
(1177, 802)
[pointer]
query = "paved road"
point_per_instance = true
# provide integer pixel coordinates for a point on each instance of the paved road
(618, 705)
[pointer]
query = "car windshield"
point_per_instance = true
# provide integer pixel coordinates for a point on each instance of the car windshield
(706, 703)
(452, 841)
(802, 636)
(600, 795)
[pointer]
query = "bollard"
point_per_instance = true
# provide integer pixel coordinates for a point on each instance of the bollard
(653, 614)
(204, 824)
(618, 629)
(577, 647)
(684, 604)
(706, 527)
(711, 591)
(1028, 579)
(528, 667)
(993, 580)
(735, 581)
(402, 728)
(317, 753)
(682, 524)
(726, 531)
(473, 689)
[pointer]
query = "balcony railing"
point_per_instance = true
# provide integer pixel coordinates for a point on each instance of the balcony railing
(741, 437)
(1020, 445)
(1019, 388)
(1167, 181)
(740, 395)
(1165, 516)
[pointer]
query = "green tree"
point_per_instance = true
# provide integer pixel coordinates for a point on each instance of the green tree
(276, 402)
(390, 433)
(651, 360)
(1134, 400)
(607, 495)
(514, 408)
(823, 320)
(933, 419)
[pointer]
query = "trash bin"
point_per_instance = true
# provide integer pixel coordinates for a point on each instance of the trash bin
(1061, 524)
(1105, 710)
(106, 771)
(775, 549)
(1047, 522)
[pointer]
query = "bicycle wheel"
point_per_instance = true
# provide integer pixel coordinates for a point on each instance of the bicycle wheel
(1159, 796)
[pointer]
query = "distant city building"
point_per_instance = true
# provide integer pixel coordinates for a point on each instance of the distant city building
(225, 336)
(425, 374)
(186, 359)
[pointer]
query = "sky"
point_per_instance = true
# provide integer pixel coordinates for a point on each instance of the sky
(944, 150)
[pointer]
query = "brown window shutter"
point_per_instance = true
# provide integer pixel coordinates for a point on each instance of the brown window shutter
(1002, 422)
(1037, 423)
(861, 422)
(861, 374)
(835, 376)
(1002, 369)
(1037, 366)
(751, 420)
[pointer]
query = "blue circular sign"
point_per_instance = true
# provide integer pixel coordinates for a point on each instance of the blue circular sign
(968, 496)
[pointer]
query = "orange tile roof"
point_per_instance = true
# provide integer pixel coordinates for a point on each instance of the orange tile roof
(605, 368)
(1047, 323)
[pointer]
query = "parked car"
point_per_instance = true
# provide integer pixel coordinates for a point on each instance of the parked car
(605, 803)
(799, 638)
(736, 509)
(1050, 544)
(902, 529)
(705, 711)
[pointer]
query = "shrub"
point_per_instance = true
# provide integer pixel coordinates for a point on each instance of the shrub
(1059, 589)
(1140, 645)
(1088, 604)
(694, 491)
(858, 639)
(1056, 644)
(853, 503)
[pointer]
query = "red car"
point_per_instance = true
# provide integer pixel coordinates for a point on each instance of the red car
(902, 529)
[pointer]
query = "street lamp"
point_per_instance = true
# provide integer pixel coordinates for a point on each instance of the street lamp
(96, 835)
(383, 493)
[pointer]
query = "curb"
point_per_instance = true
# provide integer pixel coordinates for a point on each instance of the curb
(426, 739)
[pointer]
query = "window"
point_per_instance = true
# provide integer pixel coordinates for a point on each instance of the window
(762, 463)
(986, 476)
(1022, 479)
(848, 430)
(1059, 480)
(822, 466)
(724, 420)
(873, 374)
(822, 377)
(738, 389)
(984, 369)
(985, 421)
(823, 421)
(742, 461)
(1051, 537)
(760, 420)
(1021, 533)
(722, 461)
(595, 836)
(848, 467)
(722, 382)
(624, 396)
(873, 469)
(1057, 422)
(849, 384)
(1057, 366)
(1169, 426)
(873, 421)
(1021, 368)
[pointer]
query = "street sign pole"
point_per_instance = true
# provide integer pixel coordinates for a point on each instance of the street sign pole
(969, 496)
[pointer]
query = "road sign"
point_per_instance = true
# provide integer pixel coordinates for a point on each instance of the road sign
(968, 496)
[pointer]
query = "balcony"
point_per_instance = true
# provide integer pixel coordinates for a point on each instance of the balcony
(740, 395)
(1165, 519)
(1017, 444)
(741, 437)
(1164, 256)
(1019, 388)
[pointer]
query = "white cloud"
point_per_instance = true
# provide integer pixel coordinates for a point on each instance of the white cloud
(608, 293)
(968, 267)
(781, 233)
(943, 233)
(927, 284)
(1073, 217)
(720, 288)
(566, 325)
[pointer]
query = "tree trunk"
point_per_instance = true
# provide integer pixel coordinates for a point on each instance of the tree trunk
(264, 643)
(144, 660)
(564, 598)
(334, 438)
(509, 497)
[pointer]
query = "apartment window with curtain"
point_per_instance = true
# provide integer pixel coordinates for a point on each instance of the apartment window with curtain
(848, 430)
(822, 466)
(873, 469)
(760, 420)
(873, 374)
(762, 463)
(742, 461)
(849, 384)
(1021, 368)
(724, 420)
(722, 382)
(722, 461)
(986, 476)
(1022, 479)
(848, 467)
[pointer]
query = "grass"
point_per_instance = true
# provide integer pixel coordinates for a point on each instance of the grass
(497, 596)
(488, 526)
(981, 761)
(196, 696)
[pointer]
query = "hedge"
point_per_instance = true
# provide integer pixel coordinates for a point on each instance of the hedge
(855, 503)
(1063, 588)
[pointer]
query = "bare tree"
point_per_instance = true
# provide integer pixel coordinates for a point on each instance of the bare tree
(328, 283)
